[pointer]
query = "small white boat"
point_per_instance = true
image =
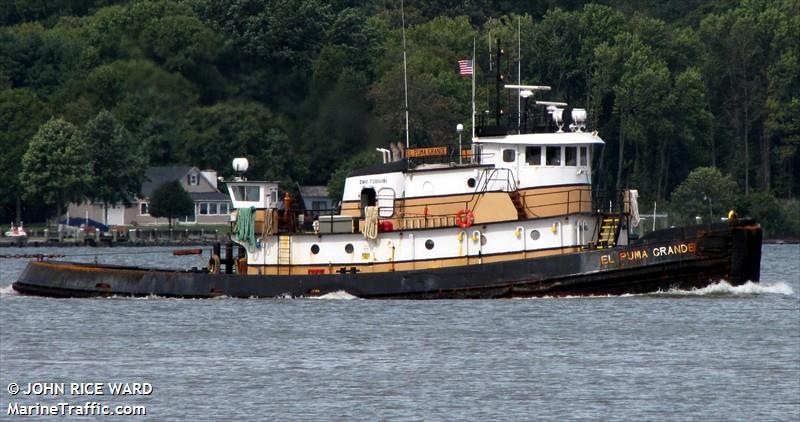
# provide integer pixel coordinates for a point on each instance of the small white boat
(16, 231)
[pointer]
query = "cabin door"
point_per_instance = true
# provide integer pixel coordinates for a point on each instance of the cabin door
(368, 199)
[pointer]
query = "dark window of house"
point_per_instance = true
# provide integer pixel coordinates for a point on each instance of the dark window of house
(533, 156)
(144, 208)
(509, 155)
(315, 249)
(204, 208)
(429, 244)
(348, 248)
(553, 156)
(584, 156)
(212, 208)
(571, 156)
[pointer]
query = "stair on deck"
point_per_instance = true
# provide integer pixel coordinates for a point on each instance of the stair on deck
(609, 231)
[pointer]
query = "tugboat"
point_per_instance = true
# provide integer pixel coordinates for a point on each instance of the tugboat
(513, 215)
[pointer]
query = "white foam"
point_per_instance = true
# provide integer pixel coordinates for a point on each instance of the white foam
(725, 288)
(577, 297)
(7, 291)
(337, 295)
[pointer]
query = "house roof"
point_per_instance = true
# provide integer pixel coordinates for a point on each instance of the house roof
(209, 196)
(313, 191)
(156, 176)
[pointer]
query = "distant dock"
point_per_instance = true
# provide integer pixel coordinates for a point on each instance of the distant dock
(140, 236)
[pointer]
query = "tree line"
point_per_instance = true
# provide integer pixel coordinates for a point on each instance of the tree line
(304, 87)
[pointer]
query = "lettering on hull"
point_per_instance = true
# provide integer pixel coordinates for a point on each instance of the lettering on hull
(638, 255)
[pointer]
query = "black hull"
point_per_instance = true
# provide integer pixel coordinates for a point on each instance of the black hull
(674, 258)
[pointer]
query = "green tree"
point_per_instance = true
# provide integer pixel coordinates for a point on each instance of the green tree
(21, 114)
(336, 183)
(57, 167)
(706, 193)
(212, 136)
(171, 201)
(143, 97)
(118, 163)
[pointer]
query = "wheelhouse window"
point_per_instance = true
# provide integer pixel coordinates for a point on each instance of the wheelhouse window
(509, 155)
(584, 156)
(533, 156)
(571, 156)
(553, 156)
(247, 193)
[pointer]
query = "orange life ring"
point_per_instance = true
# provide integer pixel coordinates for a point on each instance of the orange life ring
(465, 218)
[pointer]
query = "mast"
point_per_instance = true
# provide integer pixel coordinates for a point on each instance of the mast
(405, 70)
(519, 74)
(498, 84)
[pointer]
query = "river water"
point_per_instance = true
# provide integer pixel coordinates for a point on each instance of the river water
(721, 353)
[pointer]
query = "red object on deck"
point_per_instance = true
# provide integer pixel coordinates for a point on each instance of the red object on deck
(385, 226)
(181, 252)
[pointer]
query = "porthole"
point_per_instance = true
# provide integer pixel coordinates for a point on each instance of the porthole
(483, 240)
(348, 248)
(471, 182)
(535, 234)
(429, 244)
(315, 249)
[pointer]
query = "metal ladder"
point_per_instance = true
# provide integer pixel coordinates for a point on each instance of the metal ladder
(284, 254)
(609, 231)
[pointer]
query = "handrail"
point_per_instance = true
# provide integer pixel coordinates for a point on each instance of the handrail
(564, 202)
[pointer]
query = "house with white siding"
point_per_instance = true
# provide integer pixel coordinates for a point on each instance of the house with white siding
(210, 205)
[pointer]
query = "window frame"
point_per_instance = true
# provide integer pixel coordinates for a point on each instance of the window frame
(583, 156)
(575, 158)
(146, 206)
(531, 147)
(513, 152)
(559, 156)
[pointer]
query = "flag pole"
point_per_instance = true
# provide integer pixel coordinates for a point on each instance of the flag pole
(405, 71)
(474, 70)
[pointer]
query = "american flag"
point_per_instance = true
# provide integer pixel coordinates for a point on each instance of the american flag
(465, 67)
